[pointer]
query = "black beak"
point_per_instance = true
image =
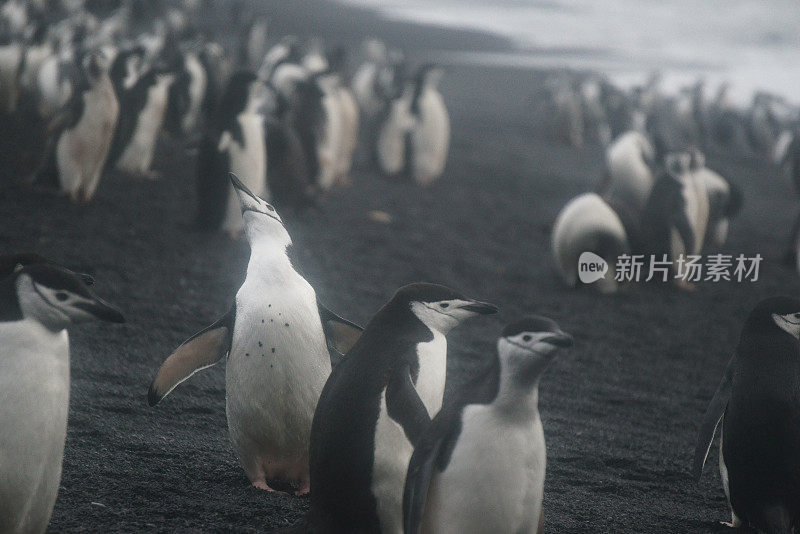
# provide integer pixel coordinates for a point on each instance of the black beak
(239, 186)
(86, 278)
(101, 310)
(559, 339)
(482, 308)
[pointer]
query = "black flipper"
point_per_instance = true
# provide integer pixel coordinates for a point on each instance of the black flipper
(201, 351)
(711, 419)
(404, 405)
(340, 334)
(435, 446)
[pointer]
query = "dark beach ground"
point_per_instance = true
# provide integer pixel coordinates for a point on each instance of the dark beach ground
(620, 409)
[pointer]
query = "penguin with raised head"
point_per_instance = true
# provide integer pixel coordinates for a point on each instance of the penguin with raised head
(38, 302)
(375, 406)
(82, 133)
(757, 410)
(450, 487)
(279, 342)
(236, 144)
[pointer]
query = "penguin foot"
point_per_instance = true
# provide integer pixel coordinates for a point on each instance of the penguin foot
(304, 488)
(262, 485)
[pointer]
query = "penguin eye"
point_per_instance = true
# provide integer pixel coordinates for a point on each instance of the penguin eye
(526, 338)
(444, 305)
(61, 296)
(270, 208)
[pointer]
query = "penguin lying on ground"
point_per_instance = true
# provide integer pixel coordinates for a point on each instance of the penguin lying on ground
(37, 303)
(81, 134)
(374, 407)
(758, 405)
(278, 338)
(450, 486)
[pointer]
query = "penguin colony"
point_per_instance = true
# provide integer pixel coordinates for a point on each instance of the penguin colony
(286, 118)
(357, 416)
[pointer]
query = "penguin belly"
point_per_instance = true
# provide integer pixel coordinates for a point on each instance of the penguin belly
(249, 163)
(138, 155)
(392, 454)
(81, 151)
(631, 177)
(349, 143)
(430, 138)
(390, 149)
(198, 82)
(392, 449)
(495, 479)
(34, 386)
(329, 147)
(275, 375)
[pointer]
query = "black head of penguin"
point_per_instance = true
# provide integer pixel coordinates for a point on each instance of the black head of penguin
(771, 331)
(54, 296)
(10, 262)
(95, 65)
(528, 345)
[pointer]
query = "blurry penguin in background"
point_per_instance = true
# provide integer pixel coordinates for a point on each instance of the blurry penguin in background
(187, 95)
(430, 133)
(414, 137)
(350, 119)
(12, 55)
(143, 113)
(81, 134)
(236, 144)
(287, 168)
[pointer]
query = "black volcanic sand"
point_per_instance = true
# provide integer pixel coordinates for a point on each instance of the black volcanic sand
(620, 409)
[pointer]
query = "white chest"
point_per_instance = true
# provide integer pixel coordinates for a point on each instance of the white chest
(505, 493)
(34, 386)
(432, 372)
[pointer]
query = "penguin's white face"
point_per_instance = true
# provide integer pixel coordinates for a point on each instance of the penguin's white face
(789, 323)
(260, 217)
(58, 307)
(528, 346)
(443, 315)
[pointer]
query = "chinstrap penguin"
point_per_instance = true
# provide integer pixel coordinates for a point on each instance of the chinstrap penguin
(451, 487)
(375, 405)
(38, 302)
(757, 410)
(280, 343)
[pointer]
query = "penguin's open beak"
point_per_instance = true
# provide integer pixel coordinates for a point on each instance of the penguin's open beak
(102, 311)
(559, 339)
(481, 308)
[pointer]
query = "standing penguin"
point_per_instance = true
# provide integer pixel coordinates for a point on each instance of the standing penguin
(81, 134)
(629, 161)
(142, 115)
(279, 341)
(375, 406)
(235, 145)
(391, 142)
(429, 137)
(450, 486)
(37, 303)
(759, 405)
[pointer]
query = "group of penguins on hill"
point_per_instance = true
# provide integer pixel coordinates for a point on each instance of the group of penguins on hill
(356, 416)
(283, 118)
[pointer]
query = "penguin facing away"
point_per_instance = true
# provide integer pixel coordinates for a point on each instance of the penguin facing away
(375, 405)
(277, 338)
(37, 303)
(236, 145)
(756, 407)
(450, 487)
